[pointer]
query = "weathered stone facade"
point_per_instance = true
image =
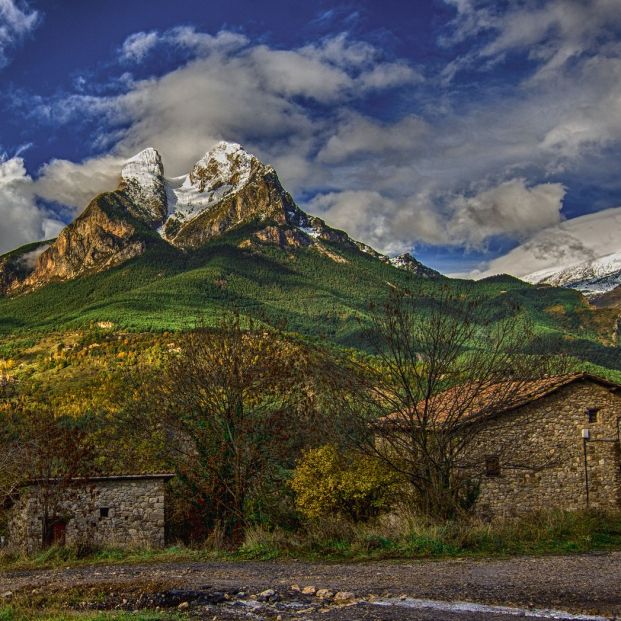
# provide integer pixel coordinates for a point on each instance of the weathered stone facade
(533, 457)
(119, 511)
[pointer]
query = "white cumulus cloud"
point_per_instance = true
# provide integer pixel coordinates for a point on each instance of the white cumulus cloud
(442, 170)
(138, 45)
(75, 184)
(511, 208)
(22, 220)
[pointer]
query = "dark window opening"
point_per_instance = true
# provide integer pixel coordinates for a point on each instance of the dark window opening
(104, 512)
(592, 414)
(492, 466)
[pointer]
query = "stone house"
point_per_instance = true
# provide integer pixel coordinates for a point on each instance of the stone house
(118, 511)
(558, 447)
(554, 443)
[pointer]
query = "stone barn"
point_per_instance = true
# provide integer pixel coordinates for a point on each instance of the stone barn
(558, 447)
(117, 511)
(555, 443)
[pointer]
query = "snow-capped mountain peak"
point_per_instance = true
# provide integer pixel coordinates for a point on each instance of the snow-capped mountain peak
(144, 168)
(227, 190)
(227, 163)
(582, 253)
(220, 173)
(142, 177)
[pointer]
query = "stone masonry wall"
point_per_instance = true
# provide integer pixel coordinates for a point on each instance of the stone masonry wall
(541, 455)
(111, 512)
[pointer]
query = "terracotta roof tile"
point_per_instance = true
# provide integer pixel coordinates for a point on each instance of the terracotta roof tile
(469, 401)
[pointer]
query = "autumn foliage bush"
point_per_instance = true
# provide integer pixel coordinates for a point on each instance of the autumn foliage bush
(330, 482)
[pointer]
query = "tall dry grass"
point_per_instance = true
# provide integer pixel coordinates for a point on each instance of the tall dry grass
(405, 535)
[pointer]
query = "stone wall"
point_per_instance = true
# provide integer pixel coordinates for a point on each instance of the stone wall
(540, 452)
(118, 512)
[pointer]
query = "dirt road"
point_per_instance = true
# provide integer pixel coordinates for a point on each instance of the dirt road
(578, 585)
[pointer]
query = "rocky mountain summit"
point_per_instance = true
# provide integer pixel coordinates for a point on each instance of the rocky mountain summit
(142, 179)
(227, 188)
(407, 262)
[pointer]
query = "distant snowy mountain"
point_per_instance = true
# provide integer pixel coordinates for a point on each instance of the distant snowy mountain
(590, 277)
(582, 253)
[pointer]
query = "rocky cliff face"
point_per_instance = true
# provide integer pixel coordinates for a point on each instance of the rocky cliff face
(225, 189)
(101, 237)
(229, 187)
(260, 199)
(18, 265)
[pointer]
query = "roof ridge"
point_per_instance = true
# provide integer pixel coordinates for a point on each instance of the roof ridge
(532, 390)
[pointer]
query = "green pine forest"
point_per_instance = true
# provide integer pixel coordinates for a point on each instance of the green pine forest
(307, 292)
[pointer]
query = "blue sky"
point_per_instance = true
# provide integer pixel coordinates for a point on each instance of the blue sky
(458, 129)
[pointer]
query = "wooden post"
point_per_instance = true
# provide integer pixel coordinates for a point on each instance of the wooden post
(586, 471)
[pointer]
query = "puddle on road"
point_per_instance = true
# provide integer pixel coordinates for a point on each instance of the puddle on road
(470, 607)
(253, 606)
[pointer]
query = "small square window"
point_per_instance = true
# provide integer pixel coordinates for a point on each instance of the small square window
(492, 466)
(104, 512)
(592, 414)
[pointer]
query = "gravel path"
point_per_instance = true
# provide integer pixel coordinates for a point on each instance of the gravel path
(581, 584)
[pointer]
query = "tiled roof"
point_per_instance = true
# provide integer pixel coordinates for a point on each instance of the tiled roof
(470, 401)
(143, 475)
(104, 477)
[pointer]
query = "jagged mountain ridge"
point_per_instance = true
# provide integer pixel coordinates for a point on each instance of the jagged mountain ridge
(226, 188)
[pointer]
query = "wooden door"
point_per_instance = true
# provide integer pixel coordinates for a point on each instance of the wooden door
(58, 533)
(55, 533)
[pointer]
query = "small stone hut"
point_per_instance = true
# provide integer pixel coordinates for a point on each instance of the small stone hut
(118, 511)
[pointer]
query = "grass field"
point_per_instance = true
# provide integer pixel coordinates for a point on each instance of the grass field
(22, 613)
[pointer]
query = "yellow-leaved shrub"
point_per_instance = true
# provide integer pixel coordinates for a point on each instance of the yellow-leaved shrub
(327, 481)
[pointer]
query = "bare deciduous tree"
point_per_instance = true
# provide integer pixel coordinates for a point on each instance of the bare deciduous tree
(230, 403)
(442, 362)
(10, 470)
